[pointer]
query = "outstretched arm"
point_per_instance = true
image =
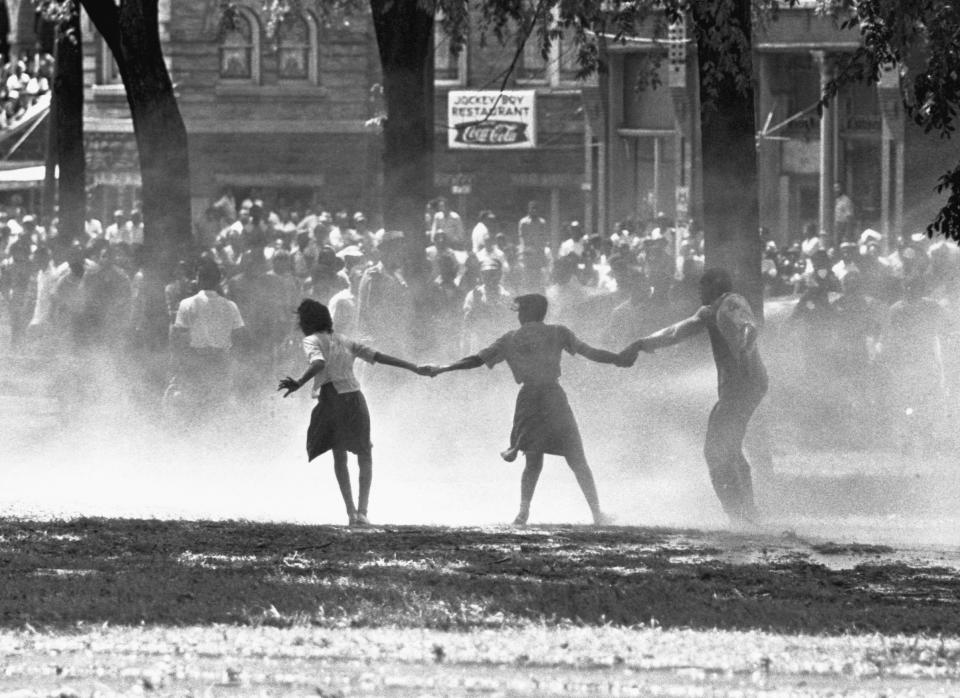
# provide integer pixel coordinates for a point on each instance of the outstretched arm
(388, 360)
(669, 336)
(602, 356)
(292, 385)
(463, 364)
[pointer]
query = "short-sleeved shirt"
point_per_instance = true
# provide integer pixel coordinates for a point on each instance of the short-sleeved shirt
(337, 352)
(533, 351)
(210, 318)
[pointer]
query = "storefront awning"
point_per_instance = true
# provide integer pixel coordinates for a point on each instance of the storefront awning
(17, 132)
(29, 177)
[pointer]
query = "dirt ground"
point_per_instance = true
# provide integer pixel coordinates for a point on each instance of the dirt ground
(104, 607)
(136, 559)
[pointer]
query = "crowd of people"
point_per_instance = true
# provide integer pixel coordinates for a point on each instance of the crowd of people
(22, 82)
(873, 320)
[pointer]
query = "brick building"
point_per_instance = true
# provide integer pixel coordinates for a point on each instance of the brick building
(278, 115)
(559, 170)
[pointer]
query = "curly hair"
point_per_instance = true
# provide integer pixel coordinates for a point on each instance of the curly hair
(314, 317)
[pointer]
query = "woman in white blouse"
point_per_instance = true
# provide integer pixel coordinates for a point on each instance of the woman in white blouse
(340, 421)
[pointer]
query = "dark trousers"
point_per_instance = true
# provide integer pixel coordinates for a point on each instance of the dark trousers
(723, 450)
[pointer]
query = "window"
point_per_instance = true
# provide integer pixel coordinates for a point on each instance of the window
(297, 49)
(293, 48)
(240, 49)
(532, 66)
(566, 63)
(560, 65)
(448, 68)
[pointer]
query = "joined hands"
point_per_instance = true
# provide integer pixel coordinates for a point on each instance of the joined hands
(430, 370)
(628, 356)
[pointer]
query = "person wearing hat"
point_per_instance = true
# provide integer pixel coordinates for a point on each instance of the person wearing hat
(879, 279)
(119, 230)
(489, 250)
(327, 277)
(340, 421)
(741, 379)
(543, 422)
(486, 309)
(849, 254)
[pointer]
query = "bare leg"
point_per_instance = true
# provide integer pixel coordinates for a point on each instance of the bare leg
(365, 461)
(578, 464)
(528, 484)
(343, 479)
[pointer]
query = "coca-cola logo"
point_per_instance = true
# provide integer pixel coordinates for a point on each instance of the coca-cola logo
(491, 133)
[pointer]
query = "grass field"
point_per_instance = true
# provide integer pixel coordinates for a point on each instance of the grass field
(106, 607)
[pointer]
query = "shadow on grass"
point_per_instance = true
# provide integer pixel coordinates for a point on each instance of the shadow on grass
(178, 573)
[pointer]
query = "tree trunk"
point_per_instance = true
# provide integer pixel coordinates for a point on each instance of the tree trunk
(67, 114)
(404, 35)
(133, 34)
(730, 207)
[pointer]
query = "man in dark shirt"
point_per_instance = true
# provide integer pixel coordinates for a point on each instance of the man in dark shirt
(741, 379)
(543, 421)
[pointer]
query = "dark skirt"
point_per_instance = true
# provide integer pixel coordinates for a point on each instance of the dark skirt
(544, 423)
(339, 422)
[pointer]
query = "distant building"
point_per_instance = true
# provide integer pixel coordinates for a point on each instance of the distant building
(884, 164)
(650, 142)
(556, 165)
(281, 117)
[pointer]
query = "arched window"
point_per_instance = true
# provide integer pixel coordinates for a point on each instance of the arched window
(297, 49)
(240, 49)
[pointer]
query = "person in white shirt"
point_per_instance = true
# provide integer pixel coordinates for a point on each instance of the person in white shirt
(482, 229)
(490, 251)
(205, 329)
(449, 222)
(119, 230)
(340, 421)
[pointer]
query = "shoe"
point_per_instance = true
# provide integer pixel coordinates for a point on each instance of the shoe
(361, 520)
(521, 519)
(509, 454)
(351, 519)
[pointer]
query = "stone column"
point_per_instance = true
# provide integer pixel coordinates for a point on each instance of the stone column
(892, 133)
(823, 61)
(768, 150)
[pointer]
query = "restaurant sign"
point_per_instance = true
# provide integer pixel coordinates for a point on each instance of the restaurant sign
(492, 120)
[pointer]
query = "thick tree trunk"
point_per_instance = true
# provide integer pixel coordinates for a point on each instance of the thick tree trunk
(67, 108)
(730, 205)
(404, 34)
(132, 32)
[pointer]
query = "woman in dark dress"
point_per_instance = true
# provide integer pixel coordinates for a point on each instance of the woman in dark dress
(340, 422)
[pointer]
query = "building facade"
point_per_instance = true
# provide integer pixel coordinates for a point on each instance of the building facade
(650, 157)
(557, 165)
(861, 147)
(277, 113)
